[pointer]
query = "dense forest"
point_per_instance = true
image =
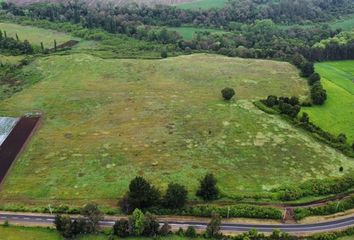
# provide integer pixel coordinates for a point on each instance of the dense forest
(252, 27)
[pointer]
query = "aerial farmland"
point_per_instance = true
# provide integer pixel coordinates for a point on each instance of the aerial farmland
(224, 115)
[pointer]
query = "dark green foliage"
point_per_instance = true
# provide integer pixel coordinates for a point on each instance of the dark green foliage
(271, 101)
(298, 60)
(241, 210)
(341, 169)
(315, 77)
(191, 232)
(121, 228)
(342, 138)
(328, 209)
(318, 94)
(305, 118)
(165, 229)
(141, 195)
(151, 226)
(213, 228)
(316, 187)
(208, 190)
(289, 109)
(228, 93)
(164, 54)
(176, 196)
(307, 69)
(13, 46)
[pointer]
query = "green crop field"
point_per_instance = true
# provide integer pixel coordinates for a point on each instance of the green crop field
(203, 4)
(109, 120)
(336, 116)
(188, 33)
(35, 35)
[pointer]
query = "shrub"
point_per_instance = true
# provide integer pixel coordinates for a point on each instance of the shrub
(121, 228)
(164, 54)
(228, 93)
(271, 101)
(318, 94)
(213, 228)
(176, 196)
(208, 190)
(307, 69)
(165, 229)
(315, 77)
(137, 222)
(151, 226)
(342, 138)
(191, 232)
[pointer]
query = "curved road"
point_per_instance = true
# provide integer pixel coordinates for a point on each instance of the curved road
(38, 219)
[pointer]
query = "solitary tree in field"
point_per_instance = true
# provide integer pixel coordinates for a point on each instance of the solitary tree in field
(176, 196)
(228, 93)
(208, 190)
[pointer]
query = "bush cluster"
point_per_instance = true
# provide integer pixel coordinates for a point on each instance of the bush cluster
(241, 210)
(330, 208)
(316, 187)
(285, 105)
(14, 46)
(89, 223)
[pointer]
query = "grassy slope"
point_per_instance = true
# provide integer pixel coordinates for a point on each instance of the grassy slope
(35, 35)
(107, 121)
(203, 4)
(336, 116)
(188, 33)
(22, 233)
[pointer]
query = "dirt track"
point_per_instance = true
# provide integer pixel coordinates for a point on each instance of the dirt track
(15, 142)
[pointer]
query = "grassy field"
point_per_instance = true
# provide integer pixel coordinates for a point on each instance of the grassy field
(345, 24)
(35, 35)
(107, 121)
(336, 116)
(188, 33)
(22, 233)
(10, 59)
(203, 4)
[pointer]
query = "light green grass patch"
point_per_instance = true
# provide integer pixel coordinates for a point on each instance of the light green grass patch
(109, 120)
(21, 233)
(336, 115)
(203, 4)
(12, 60)
(188, 33)
(31, 233)
(35, 35)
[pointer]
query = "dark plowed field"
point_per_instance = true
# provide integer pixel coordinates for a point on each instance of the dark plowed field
(14, 143)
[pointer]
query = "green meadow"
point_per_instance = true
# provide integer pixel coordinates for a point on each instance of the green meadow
(31, 233)
(109, 120)
(35, 35)
(336, 115)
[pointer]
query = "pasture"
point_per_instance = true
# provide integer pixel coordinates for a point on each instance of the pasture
(32, 233)
(35, 35)
(336, 115)
(109, 120)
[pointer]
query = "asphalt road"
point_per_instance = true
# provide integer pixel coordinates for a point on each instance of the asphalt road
(227, 227)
